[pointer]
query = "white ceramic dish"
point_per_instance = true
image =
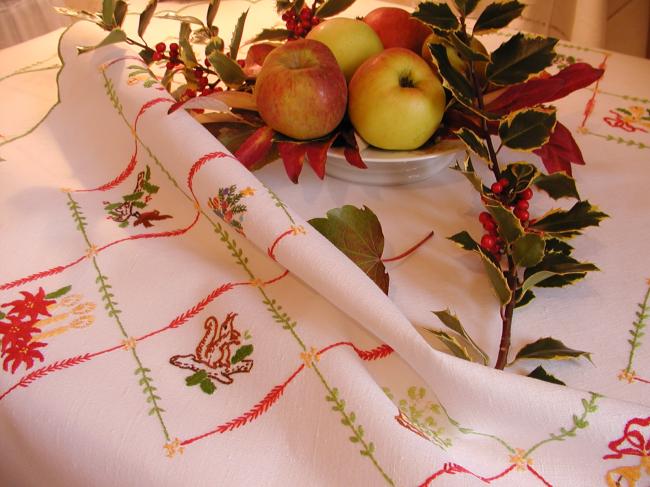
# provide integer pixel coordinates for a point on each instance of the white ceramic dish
(389, 168)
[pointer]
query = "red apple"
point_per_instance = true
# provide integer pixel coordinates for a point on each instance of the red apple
(301, 91)
(396, 100)
(396, 28)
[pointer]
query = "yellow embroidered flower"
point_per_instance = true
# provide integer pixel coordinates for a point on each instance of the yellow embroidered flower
(66, 190)
(298, 230)
(173, 447)
(91, 251)
(129, 344)
(624, 375)
(310, 356)
(257, 282)
(248, 191)
(520, 459)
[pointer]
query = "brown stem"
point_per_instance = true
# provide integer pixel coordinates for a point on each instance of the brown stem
(494, 164)
(409, 251)
(507, 312)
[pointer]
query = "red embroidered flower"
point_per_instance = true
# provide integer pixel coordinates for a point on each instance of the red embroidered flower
(22, 353)
(15, 331)
(31, 306)
(635, 440)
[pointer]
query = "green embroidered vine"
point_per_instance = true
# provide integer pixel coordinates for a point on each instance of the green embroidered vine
(280, 204)
(625, 97)
(32, 68)
(637, 331)
(618, 140)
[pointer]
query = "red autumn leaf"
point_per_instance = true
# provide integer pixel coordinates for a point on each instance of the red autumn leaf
(317, 155)
(560, 151)
(545, 89)
(351, 149)
(254, 148)
(293, 156)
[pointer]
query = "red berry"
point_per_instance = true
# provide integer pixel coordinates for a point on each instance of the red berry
(160, 47)
(305, 23)
(291, 24)
(173, 47)
(218, 89)
(305, 13)
(496, 187)
(298, 30)
(522, 204)
(285, 16)
(170, 64)
(522, 214)
(157, 56)
(241, 62)
(484, 216)
(315, 20)
(207, 63)
(490, 226)
(488, 241)
(504, 182)
(206, 91)
(526, 194)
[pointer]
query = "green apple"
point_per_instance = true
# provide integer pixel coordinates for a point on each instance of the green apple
(301, 91)
(396, 101)
(352, 42)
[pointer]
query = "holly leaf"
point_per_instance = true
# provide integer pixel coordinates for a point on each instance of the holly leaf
(473, 142)
(213, 7)
(555, 270)
(255, 148)
(467, 170)
(521, 174)
(527, 129)
(465, 241)
(451, 321)
(581, 215)
(228, 70)
(186, 51)
(108, 13)
(508, 224)
(528, 250)
(79, 14)
(271, 35)
(179, 18)
(468, 52)
(146, 16)
(207, 386)
(557, 185)
(235, 40)
(121, 8)
(113, 37)
(466, 7)
(523, 299)
(560, 151)
(549, 349)
(454, 346)
(332, 7)
(58, 293)
(453, 80)
(497, 279)
(519, 58)
(498, 15)
(438, 15)
(196, 378)
(358, 234)
(541, 374)
(241, 353)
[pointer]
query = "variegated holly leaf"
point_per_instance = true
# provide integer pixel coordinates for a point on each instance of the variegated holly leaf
(549, 349)
(467, 170)
(470, 52)
(186, 53)
(113, 37)
(79, 14)
(121, 7)
(473, 142)
(108, 13)
(211, 13)
(452, 344)
(519, 58)
(557, 185)
(332, 7)
(452, 322)
(465, 241)
(453, 80)
(496, 277)
(556, 269)
(560, 222)
(498, 15)
(528, 250)
(541, 374)
(527, 129)
(228, 70)
(466, 7)
(271, 35)
(520, 175)
(146, 16)
(438, 15)
(179, 18)
(235, 40)
(357, 233)
(508, 224)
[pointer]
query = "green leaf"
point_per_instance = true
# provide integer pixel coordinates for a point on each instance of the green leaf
(473, 142)
(517, 59)
(241, 353)
(58, 293)
(466, 7)
(541, 374)
(150, 188)
(468, 52)
(556, 270)
(451, 321)
(229, 71)
(146, 16)
(133, 196)
(196, 378)
(555, 245)
(521, 175)
(497, 279)
(437, 14)
(271, 35)
(212, 12)
(121, 8)
(508, 224)
(235, 41)
(549, 349)
(557, 185)
(108, 13)
(467, 169)
(452, 344)
(2, 315)
(332, 7)
(581, 215)
(79, 14)
(453, 80)
(527, 129)
(358, 234)
(524, 298)
(465, 241)
(113, 37)
(528, 250)
(179, 18)
(186, 51)
(498, 15)
(208, 386)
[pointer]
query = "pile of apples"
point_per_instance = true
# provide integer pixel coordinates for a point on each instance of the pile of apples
(372, 68)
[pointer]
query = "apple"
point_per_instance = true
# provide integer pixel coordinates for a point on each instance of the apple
(396, 28)
(301, 91)
(396, 101)
(350, 40)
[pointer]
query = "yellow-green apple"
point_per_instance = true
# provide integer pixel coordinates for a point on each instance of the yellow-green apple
(352, 42)
(301, 91)
(396, 101)
(396, 28)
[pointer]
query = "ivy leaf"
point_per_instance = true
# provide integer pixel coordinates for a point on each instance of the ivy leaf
(358, 234)
(453, 80)
(497, 279)
(437, 14)
(235, 41)
(473, 142)
(518, 58)
(451, 321)
(508, 224)
(541, 374)
(498, 15)
(527, 129)
(228, 70)
(560, 151)
(466, 7)
(557, 185)
(113, 37)
(464, 240)
(451, 343)
(208, 386)
(528, 250)
(549, 349)
(146, 16)
(58, 293)
(196, 378)
(332, 7)
(121, 8)
(581, 215)
(241, 353)
(212, 12)
(272, 35)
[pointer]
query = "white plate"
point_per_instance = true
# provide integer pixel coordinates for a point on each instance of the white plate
(388, 168)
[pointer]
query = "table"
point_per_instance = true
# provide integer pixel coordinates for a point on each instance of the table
(172, 346)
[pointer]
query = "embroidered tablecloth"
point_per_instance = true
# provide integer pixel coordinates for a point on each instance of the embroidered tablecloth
(168, 318)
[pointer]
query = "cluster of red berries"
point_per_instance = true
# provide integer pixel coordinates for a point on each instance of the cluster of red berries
(161, 47)
(491, 240)
(300, 23)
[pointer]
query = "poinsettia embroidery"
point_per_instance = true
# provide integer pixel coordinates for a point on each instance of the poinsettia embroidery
(214, 357)
(635, 442)
(228, 206)
(630, 119)
(129, 209)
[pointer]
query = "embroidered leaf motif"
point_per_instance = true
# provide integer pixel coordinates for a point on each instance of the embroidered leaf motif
(241, 353)
(498, 15)
(56, 294)
(550, 349)
(541, 374)
(358, 234)
(196, 378)
(437, 14)
(207, 386)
